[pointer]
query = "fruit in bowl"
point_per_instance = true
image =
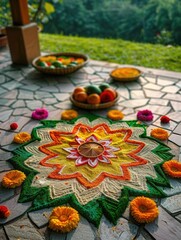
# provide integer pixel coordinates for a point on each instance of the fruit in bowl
(59, 61)
(93, 94)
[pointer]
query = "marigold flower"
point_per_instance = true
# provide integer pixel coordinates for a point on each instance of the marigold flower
(22, 137)
(143, 209)
(165, 119)
(159, 133)
(4, 212)
(145, 115)
(13, 178)
(115, 114)
(172, 168)
(63, 219)
(39, 113)
(69, 114)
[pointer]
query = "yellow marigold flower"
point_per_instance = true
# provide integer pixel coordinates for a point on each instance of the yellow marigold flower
(22, 137)
(69, 114)
(159, 133)
(115, 114)
(64, 219)
(172, 168)
(143, 209)
(13, 179)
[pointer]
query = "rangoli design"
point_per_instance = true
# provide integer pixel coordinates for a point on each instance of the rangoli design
(91, 163)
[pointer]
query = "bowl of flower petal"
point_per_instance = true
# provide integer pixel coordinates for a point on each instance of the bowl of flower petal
(94, 96)
(125, 74)
(60, 63)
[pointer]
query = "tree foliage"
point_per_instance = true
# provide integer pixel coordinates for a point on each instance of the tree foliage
(154, 21)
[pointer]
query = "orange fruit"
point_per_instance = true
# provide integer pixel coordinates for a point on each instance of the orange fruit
(80, 96)
(93, 98)
(112, 91)
(78, 89)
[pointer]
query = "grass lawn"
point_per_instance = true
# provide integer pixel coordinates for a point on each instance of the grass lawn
(116, 51)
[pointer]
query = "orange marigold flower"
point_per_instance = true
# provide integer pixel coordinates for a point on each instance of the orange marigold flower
(4, 212)
(172, 168)
(22, 137)
(159, 133)
(69, 114)
(64, 219)
(143, 209)
(13, 178)
(115, 114)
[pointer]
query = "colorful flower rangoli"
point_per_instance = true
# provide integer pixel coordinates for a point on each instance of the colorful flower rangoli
(92, 164)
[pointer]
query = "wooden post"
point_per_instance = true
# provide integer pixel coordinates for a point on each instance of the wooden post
(19, 11)
(23, 35)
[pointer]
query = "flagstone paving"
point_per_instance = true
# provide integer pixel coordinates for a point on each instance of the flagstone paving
(23, 89)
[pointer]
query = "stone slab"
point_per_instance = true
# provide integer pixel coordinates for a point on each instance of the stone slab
(21, 121)
(5, 166)
(175, 187)
(165, 227)
(175, 138)
(2, 235)
(83, 231)
(124, 230)
(41, 217)
(22, 229)
(16, 209)
(172, 204)
(5, 155)
(58, 236)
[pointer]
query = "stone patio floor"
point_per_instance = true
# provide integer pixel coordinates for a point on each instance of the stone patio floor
(23, 89)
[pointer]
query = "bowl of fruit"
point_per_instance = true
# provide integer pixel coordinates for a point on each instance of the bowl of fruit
(94, 96)
(60, 63)
(125, 74)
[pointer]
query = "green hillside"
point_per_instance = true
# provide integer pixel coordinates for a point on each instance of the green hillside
(116, 51)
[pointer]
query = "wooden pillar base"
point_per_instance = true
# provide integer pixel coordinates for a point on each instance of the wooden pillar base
(23, 43)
